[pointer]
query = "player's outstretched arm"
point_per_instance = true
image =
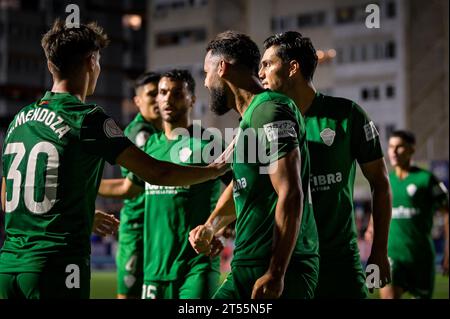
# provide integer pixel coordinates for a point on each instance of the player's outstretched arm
(104, 224)
(377, 176)
(122, 188)
(162, 173)
(202, 236)
(287, 182)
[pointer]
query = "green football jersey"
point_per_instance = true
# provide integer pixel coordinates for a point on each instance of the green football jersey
(279, 128)
(53, 160)
(339, 134)
(414, 201)
(132, 213)
(171, 212)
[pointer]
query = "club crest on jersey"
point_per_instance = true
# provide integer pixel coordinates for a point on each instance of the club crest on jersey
(327, 136)
(184, 154)
(411, 189)
(111, 129)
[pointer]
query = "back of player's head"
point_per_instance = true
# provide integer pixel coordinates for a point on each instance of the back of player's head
(66, 47)
(293, 46)
(145, 78)
(181, 75)
(406, 136)
(238, 48)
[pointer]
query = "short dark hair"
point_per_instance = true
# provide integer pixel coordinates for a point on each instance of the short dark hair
(293, 46)
(66, 47)
(147, 77)
(406, 136)
(238, 47)
(181, 75)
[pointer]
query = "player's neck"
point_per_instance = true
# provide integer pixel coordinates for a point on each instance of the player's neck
(303, 96)
(171, 130)
(402, 171)
(75, 88)
(245, 92)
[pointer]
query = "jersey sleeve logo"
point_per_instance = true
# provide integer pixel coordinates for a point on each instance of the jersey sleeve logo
(279, 129)
(111, 129)
(371, 131)
(327, 136)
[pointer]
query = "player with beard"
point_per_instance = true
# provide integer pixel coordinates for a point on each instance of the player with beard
(276, 252)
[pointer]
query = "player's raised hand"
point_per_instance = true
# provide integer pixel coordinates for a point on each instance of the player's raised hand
(200, 239)
(268, 287)
(105, 224)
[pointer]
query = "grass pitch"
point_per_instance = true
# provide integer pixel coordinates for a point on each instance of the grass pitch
(104, 285)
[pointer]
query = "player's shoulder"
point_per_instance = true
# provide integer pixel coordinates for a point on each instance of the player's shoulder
(269, 106)
(337, 106)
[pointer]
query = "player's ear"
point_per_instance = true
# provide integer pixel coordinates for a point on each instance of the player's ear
(222, 68)
(294, 68)
(92, 60)
(137, 100)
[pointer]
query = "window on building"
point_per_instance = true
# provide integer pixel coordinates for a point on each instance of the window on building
(390, 91)
(365, 94)
(352, 54)
(314, 19)
(390, 50)
(376, 93)
(363, 52)
(377, 51)
(185, 37)
(340, 55)
(391, 9)
(345, 15)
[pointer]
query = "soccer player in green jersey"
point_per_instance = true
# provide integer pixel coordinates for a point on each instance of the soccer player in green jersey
(276, 252)
(171, 267)
(130, 251)
(417, 195)
(339, 135)
(53, 159)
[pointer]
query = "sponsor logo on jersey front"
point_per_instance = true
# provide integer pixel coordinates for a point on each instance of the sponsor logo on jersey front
(370, 131)
(324, 182)
(238, 185)
(327, 136)
(111, 129)
(279, 129)
(411, 189)
(163, 190)
(402, 212)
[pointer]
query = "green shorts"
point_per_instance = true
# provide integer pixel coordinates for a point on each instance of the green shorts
(69, 279)
(341, 279)
(417, 277)
(299, 282)
(199, 284)
(130, 263)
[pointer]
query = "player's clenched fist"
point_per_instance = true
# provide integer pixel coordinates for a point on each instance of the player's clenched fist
(200, 238)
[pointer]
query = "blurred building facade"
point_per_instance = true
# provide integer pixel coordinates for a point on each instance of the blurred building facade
(23, 71)
(398, 72)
